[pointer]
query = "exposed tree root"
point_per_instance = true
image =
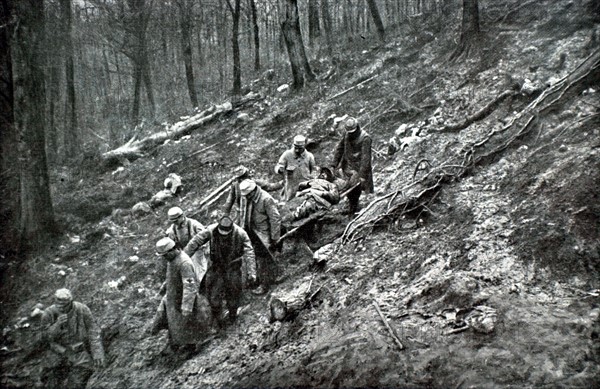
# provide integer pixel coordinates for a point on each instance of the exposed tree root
(479, 115)
(420, 192)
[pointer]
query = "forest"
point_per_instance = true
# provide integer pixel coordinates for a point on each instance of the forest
(475, 262)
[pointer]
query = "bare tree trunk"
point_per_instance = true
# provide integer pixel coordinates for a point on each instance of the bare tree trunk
(9, 172)
(72, 138)
(377, 19)
(290, 28)
(53, 99)
(235, 46)
(185, 15)
(37, 217)
(256, 35)
(326, 18)
(314, 30)
(139, 56)
(469, 30)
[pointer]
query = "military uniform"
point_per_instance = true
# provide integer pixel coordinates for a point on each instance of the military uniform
(183, 311)
(295, 167)
(353, 155)
(181, 235)
(262, 221)
(233, 265)
(74, 345)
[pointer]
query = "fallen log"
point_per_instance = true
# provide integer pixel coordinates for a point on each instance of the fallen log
(420, 192)
(134, 148)
(287, 305)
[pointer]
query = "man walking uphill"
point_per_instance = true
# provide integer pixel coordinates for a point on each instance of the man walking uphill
(183, 311)
(353, 155)
(233, 265)
(70, 331)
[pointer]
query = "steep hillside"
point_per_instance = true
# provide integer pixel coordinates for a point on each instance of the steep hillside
(491, 280)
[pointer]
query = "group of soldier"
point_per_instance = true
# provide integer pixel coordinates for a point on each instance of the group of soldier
(209, 266)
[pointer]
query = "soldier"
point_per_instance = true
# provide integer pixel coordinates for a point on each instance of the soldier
(182, 231)
(260, 218)
(296, 164)
(69, 329)
(353, 155)
(183, 311)
(233, 265)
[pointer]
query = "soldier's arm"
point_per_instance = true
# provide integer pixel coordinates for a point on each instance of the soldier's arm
(196, 242)
(338, 153)
(365, 160)
(190, 288)
(312, 164)
(282, 164)
(274, 219)
(230, 200)
(171, 232)
(249, 257)
(94, 335)
(196, 227)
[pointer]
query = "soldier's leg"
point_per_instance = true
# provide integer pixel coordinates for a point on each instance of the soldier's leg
(54, 370)
(215, 287)
(353, 200)
(78, 377)
(233, 292)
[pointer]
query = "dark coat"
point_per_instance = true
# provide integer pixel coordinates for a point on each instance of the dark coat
(355, 155)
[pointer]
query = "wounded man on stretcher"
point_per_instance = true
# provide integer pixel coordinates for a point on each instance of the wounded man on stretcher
(316, 194)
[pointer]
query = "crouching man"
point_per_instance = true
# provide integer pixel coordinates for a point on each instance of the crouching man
(69, 330)
(233, 265)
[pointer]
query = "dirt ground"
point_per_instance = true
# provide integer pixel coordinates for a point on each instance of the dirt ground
(494, 284)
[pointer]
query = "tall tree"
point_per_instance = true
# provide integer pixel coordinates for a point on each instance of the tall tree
(326, 18)
(290, 27)
(469, 30)
(314, 30)
(37, 216)
(256, 35)
(185, 22)
(140, 15)
(235, 46)
(9, 174)
(72, 141)
(377, 19)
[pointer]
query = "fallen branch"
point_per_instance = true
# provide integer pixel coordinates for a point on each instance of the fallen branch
(352, 88)
(457, 330)
(522, 5)
(213, 196)
(479, 115)
(387, 325)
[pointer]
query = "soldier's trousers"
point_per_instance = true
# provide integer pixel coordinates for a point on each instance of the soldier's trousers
(70, 370)
(224, 285)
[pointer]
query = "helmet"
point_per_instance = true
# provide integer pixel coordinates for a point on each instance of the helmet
(247, 186)
(174, 213)
(164, 245)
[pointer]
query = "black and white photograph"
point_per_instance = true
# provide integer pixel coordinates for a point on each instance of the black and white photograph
(300, 194)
